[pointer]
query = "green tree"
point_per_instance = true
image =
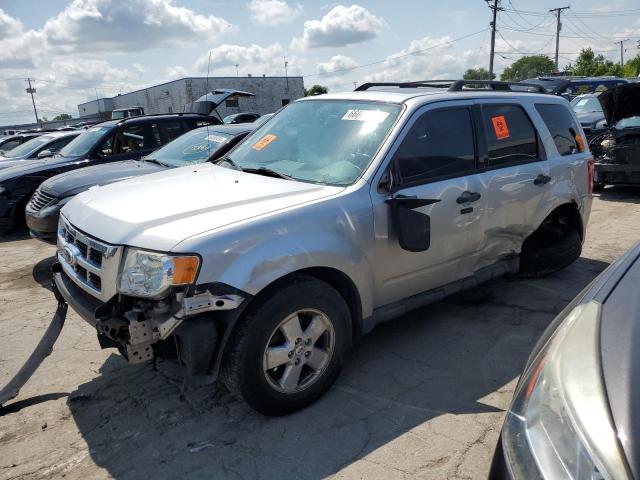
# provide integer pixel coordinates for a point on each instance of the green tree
(528, 67)
(478, 74)
(315, 90)
(589, 64)
(62, 116)
(632, 67)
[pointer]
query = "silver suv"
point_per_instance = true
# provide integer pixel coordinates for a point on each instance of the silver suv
(340, 212)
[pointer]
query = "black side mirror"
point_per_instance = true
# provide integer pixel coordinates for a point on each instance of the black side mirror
(412, 228)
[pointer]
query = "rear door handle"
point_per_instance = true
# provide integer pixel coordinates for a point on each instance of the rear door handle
(468, 197)
(542, 179)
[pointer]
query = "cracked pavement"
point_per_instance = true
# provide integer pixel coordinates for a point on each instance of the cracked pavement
(420, 397)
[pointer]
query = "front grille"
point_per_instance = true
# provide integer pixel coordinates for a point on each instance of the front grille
(41, 199)
(90, 263)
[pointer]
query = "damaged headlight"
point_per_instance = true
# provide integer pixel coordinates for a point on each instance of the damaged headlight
(150, 274)
(559, 425)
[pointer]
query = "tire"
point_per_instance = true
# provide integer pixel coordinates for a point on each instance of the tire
(538, 260)
(245, 362)
(598, 187)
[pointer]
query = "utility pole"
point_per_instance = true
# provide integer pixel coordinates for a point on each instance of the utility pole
(237, 65)
(495, 7)
(558, 28)
(286, 73)
(31, 91)
(621, 42)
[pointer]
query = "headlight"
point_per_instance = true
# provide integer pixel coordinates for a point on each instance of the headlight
(601, 124)
(150, 274)
(559, 426)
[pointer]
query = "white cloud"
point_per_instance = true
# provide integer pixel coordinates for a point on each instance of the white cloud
(339, 27)
(336, 65)
(253, 59)
(9, 26)
(176, 72)
(107, 25)
(273, 12)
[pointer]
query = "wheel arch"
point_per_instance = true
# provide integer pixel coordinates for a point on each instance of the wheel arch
(568, 210)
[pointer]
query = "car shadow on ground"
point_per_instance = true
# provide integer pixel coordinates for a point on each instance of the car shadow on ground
(42, 272)
(413, 378)
(624, 194)
(14, 236)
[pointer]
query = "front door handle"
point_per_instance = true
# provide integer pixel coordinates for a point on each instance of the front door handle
(542, 179)
(468, 197)
(412, 201)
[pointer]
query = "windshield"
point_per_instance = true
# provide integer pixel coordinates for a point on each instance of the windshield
(631, 122)
(118, 114)
(586, 105)
(28, 147)
(320, 141)
(82, 144)
(192, 147)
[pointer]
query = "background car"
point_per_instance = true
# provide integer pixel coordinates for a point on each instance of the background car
(574, 412)
(12, 141)
(42, 146)
(199, 145)
(107, 142)
(241, 118)
(589, 112)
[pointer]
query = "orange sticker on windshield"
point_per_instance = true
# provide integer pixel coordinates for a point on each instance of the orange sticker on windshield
(264, 141)
(500, 127)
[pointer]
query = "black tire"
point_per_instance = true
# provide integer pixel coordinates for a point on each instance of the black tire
(242, 367)
(539, 259)
(598, 187)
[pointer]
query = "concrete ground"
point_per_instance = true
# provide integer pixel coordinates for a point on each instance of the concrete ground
(422, 397)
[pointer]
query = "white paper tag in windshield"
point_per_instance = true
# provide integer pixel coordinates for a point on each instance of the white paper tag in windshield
(216, 138)
(376, 116)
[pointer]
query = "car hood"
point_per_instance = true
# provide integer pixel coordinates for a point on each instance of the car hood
(159, 211)
(620, 102)
(76, 181)
(589, 118)
(6, 162)
(26, 167)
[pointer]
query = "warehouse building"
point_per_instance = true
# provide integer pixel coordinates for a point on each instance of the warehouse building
(271, 93)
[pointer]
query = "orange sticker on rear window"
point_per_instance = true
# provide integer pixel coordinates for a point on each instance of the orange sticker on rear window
(500, 127)
(264, 141)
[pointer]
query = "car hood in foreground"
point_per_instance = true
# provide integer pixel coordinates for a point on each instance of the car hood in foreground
(159, 211)
(76, 181)
(620, 102)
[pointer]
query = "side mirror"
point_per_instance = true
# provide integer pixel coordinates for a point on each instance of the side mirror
(45, 154)
(412, 228)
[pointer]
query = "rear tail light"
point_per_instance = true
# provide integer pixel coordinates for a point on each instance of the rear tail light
(591, 165)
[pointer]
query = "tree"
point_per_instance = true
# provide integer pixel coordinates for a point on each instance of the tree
(632, 67)
(62, 116)
(315, 90)
(589, 64)
(528, 67)
(478, 74)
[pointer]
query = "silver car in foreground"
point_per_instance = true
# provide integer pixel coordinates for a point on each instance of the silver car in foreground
(340, 212)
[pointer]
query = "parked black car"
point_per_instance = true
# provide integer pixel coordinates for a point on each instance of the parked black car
(12, 141)
(617, 150)
(106, 142)
(200, 145)
(246, 117)
(575, 409)
(571, 87)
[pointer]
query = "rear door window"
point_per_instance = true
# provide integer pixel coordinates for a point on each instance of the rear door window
(562, 126)
(439, 145)
(170, 131)
(511, 137)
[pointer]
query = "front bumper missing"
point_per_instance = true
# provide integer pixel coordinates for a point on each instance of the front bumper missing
(136, 331)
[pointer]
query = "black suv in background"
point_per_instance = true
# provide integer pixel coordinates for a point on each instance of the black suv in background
(116, 140)
(571, 87)
(10, 142)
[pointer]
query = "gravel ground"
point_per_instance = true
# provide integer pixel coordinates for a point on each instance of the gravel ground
(421, 397)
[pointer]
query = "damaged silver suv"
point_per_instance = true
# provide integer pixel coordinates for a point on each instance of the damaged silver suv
(340, 212)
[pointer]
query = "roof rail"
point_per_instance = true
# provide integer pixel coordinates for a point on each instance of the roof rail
(460, 85)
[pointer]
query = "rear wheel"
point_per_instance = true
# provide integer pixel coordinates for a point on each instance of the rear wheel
(289, 347)
(549, 250)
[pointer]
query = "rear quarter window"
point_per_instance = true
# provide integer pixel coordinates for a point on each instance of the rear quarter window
(562, 126)
(511, 137)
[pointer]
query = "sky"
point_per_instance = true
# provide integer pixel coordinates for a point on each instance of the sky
(78, 50)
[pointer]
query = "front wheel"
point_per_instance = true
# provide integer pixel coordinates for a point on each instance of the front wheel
(289, 347)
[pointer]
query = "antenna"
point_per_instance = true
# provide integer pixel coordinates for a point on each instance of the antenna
(207, 93)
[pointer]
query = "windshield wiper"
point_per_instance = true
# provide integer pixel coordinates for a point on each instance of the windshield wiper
(267, 172)
(230, 162)
(153, 160)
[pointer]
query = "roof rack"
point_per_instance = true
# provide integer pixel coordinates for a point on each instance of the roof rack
(460, 85)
